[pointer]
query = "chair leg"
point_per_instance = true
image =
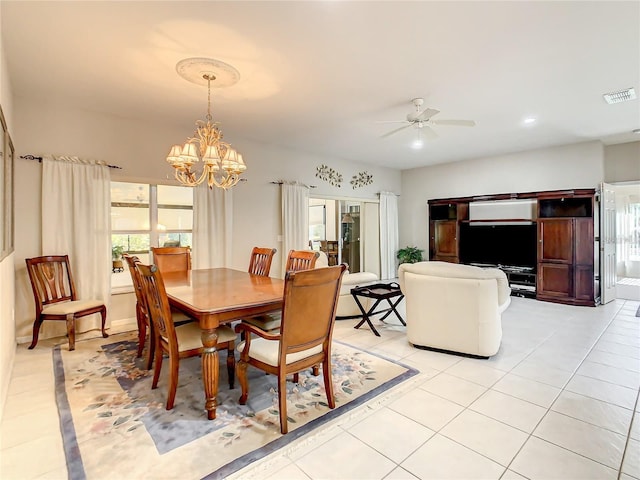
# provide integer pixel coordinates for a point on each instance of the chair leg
(71, 331)
(103, 314)
(241, 371)
(316, 370)
(158, 364)
(152, 346)
(142, 332)
(296, 377)
(231, 365)
(282, 402)
(36, 332)
(328, 382)
(174, 367)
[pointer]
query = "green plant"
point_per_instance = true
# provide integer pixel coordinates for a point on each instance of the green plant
(410, 255)
(117, 251)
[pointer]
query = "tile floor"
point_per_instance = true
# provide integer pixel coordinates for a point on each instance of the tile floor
(559, 400)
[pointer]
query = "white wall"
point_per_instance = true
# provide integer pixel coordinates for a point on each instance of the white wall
(570, 166)
(7, 323)
(622, 162)
(48, 128)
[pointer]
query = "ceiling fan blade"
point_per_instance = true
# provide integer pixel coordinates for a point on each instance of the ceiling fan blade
(395, 131)
(427, 114)
(458, 123)
(391, 121)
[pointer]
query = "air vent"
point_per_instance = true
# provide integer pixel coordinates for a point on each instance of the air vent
(620, 96)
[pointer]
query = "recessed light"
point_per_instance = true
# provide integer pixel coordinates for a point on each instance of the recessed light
(529, 120)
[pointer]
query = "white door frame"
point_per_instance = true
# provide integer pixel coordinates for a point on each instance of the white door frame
(607, 243)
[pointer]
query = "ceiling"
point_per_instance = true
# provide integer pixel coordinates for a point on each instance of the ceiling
(318, 76)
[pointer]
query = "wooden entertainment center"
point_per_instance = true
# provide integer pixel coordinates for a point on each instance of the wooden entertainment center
(559, 265)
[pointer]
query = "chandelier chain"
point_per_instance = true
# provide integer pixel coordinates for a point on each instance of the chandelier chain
(208, 77)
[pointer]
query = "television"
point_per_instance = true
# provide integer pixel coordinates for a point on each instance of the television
(508, 245)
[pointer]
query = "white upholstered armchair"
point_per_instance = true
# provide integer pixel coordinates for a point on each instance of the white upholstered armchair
(454, 308)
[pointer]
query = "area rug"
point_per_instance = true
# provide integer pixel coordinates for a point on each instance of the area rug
(115, 426)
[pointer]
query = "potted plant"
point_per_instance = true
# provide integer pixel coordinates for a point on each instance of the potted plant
(116, 258)
(409, 255)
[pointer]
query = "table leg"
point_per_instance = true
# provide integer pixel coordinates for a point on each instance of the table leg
(210, 371)
(393, 309)
(365, 316)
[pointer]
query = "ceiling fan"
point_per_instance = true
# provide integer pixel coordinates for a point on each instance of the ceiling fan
(423, 120)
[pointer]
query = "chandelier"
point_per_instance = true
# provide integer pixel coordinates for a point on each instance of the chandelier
(222, 165)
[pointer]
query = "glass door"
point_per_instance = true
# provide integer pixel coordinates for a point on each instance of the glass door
(350, 234)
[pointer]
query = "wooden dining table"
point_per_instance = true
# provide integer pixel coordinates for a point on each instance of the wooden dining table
(216, 296)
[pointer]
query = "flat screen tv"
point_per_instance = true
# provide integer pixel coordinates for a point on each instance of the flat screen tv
(504, 245)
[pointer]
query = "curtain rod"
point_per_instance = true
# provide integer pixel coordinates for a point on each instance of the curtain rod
(39, 159)
(280, 182)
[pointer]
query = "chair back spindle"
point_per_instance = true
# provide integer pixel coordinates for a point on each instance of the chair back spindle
(301, 260)
(260, 263)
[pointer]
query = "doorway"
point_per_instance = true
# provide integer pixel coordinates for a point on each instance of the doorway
(348, 231)
(627, 221)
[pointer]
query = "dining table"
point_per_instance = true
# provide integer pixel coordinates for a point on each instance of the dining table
(215, 296)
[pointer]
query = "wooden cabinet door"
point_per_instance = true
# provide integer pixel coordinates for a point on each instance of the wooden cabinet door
(584, 241)
(584, 284)
(555, 280)
(555, 240)
(446, 239)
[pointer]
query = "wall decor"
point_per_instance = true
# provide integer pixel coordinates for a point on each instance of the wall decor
(330, 175)
(6, 189)
(362, 179)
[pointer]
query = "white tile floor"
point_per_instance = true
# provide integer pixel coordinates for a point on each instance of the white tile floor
(560, 400)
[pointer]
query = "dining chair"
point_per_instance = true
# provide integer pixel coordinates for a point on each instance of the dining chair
(301, 260)
(304, 339)
(260, 264)
(142, 314)
(177, 342)
(260, 261)
(54, 293)
(172, 259)
(296, 261)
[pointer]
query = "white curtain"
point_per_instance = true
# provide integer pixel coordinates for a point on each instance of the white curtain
(388, 235)
(76, 221)
(212, 227)
(295, 218)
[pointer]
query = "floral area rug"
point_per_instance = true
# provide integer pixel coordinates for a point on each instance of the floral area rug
(115, 426)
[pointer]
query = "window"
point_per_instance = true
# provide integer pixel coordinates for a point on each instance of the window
(145, 216)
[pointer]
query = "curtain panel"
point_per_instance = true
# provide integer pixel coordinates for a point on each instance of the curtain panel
(295, 219)
(76, 221)
(212, 227)
(388, 235)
